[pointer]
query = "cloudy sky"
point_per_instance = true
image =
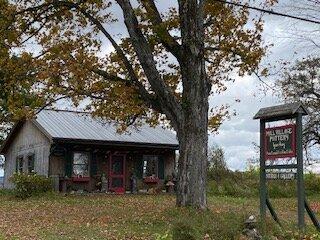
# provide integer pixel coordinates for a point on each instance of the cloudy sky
(287, 36)
(238, 134)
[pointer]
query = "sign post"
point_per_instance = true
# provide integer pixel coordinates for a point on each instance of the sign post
(278, 143)
(300, 183)
(263, 180)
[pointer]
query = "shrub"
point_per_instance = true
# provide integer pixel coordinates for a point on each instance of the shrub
(5, 192)
(217, 165)
(312, 183)
(246, 184)
(27, 185)
(282, 188)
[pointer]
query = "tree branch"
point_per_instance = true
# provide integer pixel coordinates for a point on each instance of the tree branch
(146, 96)
(49, 103)
(164, 100)
(110, 77)
(162, 33)
(168, 101)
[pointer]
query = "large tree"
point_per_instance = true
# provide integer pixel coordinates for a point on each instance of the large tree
(17, 96)
(301, 82)
(164, 68)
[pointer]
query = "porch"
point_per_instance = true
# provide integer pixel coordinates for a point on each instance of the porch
(88, 167)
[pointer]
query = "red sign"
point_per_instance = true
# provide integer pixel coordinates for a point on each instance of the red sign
(280, 142)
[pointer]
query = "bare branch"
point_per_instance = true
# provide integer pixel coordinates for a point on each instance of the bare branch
(49, 103)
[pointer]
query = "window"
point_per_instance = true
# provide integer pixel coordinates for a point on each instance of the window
(31, 163)
(80, 164)
(19, 164)
(150, 165)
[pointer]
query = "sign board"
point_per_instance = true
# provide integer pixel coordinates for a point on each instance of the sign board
(281, 176)
(280, 142)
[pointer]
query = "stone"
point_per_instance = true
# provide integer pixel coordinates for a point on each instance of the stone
(250, 231)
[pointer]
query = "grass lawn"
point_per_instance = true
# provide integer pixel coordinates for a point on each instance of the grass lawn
(134, 217)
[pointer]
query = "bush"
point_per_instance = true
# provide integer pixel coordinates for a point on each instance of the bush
(312, 183)
(5, 192)
(246, 184)
(27, 185)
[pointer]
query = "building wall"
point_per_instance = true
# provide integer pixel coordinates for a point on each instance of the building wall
(169, 157)
(57, 166)
(29, 140)
(133, 156)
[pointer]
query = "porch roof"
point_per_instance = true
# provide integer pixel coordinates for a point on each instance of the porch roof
(75, 126)
(284, 110)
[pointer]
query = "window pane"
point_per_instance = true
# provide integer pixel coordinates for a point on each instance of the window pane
(80, 164)
(80, 170)
(31, 164)
(20, 164)
(117, 165)
(80, 158)
(150, 165)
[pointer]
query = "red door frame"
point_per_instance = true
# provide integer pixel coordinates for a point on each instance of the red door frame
(111, 175)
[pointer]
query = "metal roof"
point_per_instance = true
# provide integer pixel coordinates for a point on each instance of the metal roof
(281, 111)
(82, 126)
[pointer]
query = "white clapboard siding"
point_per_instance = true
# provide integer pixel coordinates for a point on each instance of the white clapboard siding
(28, 140)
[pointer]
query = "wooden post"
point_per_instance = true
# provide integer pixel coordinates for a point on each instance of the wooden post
(292, 149)
(300, 183)
(263, 187)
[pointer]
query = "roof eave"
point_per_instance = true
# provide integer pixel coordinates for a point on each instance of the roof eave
(115, 143)
(9, 138)
(41, 129)
(285, 113)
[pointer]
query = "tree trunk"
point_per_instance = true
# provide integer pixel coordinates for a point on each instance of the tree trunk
(193, 140)
(192, 130)
(190, 116)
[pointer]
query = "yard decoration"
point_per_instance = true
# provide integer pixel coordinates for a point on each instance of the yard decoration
(133, 184)
(250, 230)
(104, 183)
(278, 143)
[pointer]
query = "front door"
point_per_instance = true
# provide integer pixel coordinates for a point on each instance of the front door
(117, 173)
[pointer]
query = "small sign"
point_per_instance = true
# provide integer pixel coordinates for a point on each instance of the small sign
(280, 142)
(281, 176)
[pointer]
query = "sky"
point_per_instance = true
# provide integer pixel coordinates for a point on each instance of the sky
(237, 135)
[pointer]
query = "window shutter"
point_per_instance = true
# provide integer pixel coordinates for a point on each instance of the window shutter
(161, 167)
(69, 163)
(138, 162)
(93, 165)
(17, 164)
